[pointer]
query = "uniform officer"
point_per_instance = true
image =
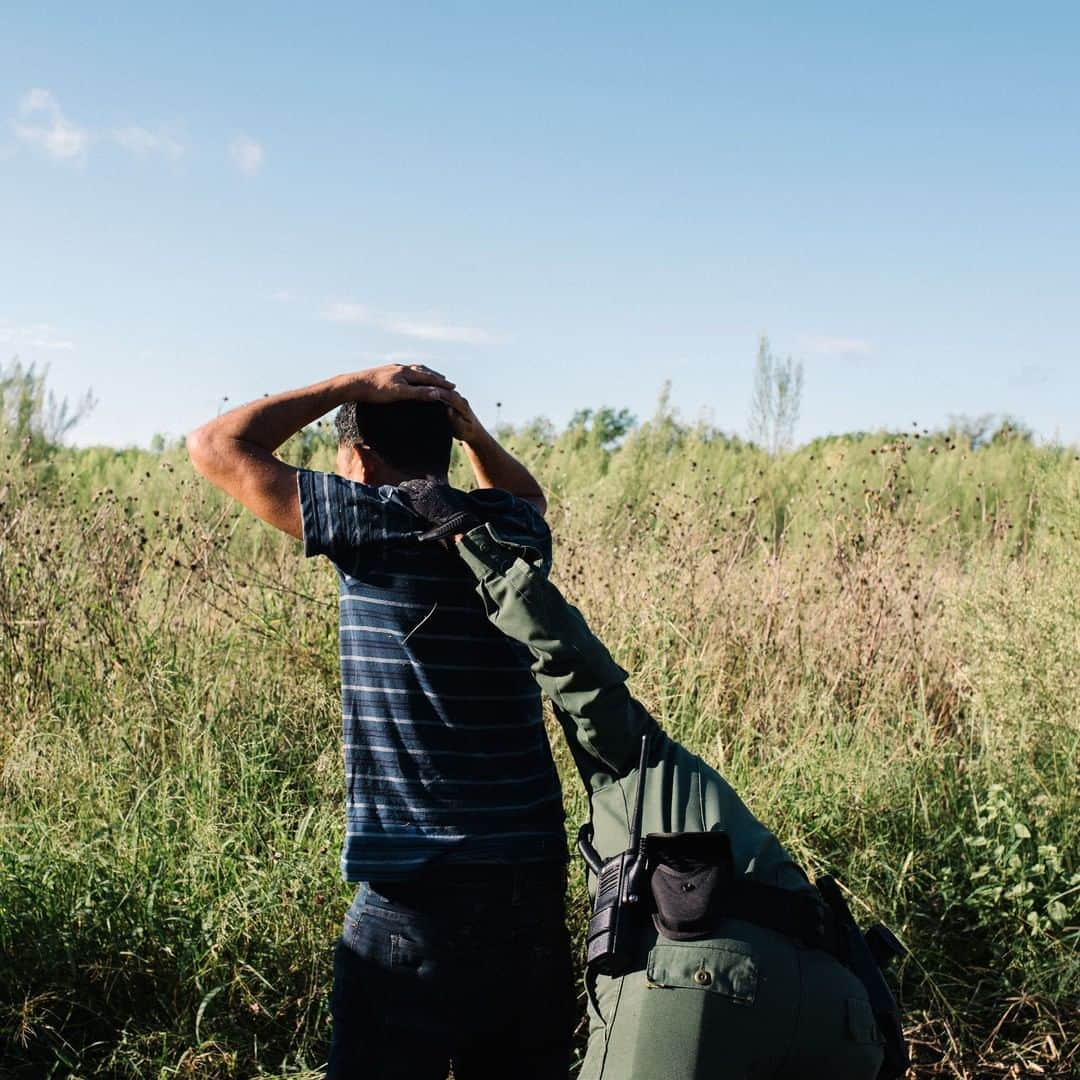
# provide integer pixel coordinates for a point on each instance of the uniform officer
(734, 972)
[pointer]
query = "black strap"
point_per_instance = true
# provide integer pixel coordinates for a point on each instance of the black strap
(800, 915)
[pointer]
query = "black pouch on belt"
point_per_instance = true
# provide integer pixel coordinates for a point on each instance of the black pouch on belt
(688, 874)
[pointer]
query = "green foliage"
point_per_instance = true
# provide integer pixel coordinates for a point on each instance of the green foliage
(602, 427)
(776, 400)
(978, 431)
(1011, 877)
(31, 417)
(874, 637)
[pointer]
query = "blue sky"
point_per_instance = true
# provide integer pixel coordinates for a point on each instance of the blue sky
(559, 208)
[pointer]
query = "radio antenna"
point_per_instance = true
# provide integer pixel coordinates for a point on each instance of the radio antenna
(639, 799)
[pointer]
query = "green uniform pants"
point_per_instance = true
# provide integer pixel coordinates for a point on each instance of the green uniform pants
(748, 1001)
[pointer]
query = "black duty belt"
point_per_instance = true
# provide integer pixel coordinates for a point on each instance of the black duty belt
(693, 884)
(800, 915)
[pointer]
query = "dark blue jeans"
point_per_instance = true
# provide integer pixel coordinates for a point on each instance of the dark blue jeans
(469, 966)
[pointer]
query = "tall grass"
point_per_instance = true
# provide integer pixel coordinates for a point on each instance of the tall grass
(876, 638)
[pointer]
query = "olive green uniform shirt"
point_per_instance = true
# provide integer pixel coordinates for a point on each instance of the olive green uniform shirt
(747, 1002)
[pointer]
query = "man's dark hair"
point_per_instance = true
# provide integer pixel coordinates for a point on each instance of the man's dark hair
(413, 436)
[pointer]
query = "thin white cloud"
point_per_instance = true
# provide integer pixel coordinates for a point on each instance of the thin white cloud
(348, 313)
(42, 123)
(37, 336)
(142, 142)
(835, 346)
(414, 326)
(440, 331)
(247, 154)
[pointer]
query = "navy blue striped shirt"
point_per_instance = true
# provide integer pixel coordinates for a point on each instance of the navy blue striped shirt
(446, 756)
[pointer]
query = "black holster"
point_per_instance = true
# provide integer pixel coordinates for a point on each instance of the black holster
(867, 960)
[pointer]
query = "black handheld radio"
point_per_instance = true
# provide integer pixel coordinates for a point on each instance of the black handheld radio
(613, 926)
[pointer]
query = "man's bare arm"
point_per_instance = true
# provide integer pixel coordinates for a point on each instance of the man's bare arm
(235, 452)
(493, 466)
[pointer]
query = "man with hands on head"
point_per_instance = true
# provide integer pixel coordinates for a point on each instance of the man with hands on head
(455, 948)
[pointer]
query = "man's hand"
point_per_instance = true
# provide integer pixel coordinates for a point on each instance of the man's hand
(463, 422)
(401, 382)
(492, 466)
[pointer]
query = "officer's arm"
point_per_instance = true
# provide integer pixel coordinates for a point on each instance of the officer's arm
(571, 664)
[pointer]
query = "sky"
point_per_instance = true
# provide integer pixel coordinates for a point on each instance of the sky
(559, 206)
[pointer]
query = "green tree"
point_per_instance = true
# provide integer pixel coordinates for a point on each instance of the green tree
(776, 399)
(31, 415)
(602, 427)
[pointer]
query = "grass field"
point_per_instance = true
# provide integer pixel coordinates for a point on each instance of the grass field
(876, 638)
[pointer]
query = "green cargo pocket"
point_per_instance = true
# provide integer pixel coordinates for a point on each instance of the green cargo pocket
(718, 969)
(861, 1026)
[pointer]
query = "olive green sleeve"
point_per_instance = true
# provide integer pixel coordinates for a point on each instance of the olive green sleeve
(570, 663)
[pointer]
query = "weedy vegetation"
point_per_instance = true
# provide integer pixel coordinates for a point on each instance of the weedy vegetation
(875, 637)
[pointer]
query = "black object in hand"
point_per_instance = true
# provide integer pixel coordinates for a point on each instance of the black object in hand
(447, 510)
